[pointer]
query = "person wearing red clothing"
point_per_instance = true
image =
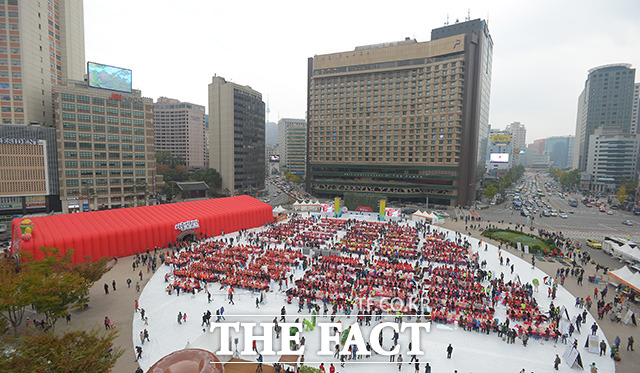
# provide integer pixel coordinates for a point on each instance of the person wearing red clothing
(332, 369)
(322, 367)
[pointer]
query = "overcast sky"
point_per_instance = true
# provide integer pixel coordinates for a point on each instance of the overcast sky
(542, 48)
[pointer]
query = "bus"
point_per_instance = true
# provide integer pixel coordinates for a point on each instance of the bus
(573, 202)
(517, 205)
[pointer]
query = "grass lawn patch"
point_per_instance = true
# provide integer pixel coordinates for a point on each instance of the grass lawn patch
(536, 244)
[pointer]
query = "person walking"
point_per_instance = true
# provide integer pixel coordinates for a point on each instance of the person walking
(616, 342)
(146, 335)
(593, 367)
(138, 353)
(603, 347)
(136, 305)
(427, 368)
(142, 337)
(630, 343)
(128, 283)
(259, 368)
(180, 317)
(107, 323)
(399, 361)
(449, 351)
(106, 288)
(113, 283)
(556, 362)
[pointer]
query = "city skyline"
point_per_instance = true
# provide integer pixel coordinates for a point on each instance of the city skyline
(542, 52)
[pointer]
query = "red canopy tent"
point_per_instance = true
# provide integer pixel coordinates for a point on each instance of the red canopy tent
(126, 231)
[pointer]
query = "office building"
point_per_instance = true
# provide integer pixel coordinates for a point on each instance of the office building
(560, 150)
(635, 111)
(612, 157)
(518, 140)
(405, 119)
(605, 102)
(28, 169)
(180, 129)
(106, 155)
(271, 134)
(236, 135)
(41, 46)
(292, 141)
(499, 152)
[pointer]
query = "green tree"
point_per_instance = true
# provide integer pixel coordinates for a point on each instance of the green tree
(490, 191)
(52, 284)
(211, 177)
(74, 351)
(292, 177)
(164, 157)
(13, 296)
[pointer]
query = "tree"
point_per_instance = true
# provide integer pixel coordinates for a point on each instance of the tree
(52, 285)
(164, 158)
(13, 296)
(211, 177)
(292, 177)
(490, 191)
(622, 195)
(75, 351)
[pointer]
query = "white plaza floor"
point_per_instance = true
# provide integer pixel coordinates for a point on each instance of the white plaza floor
(473, 352)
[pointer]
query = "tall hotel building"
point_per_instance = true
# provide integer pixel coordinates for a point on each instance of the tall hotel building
(106, 156)
(406, 119)
(236, 136)
(180, 130)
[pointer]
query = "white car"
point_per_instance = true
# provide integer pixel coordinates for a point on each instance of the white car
(563, 215)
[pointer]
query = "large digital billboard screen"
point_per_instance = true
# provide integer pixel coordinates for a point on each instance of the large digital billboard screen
(499, 158)
(274, 158)
(109, 77)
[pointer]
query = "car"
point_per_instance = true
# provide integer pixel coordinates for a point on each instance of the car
(563, 215)
(609, 212)
(593, 243)
(553, 213)
(627, 222)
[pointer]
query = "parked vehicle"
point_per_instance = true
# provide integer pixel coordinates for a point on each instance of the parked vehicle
(593, 243)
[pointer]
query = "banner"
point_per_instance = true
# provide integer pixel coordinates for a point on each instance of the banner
(627, 317)
(570, 355)
(593, 344)
(383, 206)
(336, 206)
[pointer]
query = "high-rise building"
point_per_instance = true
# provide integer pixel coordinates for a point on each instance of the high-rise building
(405, 119)
(612, 157)
(271, 134)
(41, 46)
(180, 129)
(635, 112)
(605, 102)
(236, 135)
(106, 155)
(499, 152)
(292, 141)
(560, 150)
(518, 135)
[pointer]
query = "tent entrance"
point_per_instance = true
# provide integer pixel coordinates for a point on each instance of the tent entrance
(189, 235)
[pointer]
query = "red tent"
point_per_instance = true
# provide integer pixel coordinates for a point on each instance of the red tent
(124, 232)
